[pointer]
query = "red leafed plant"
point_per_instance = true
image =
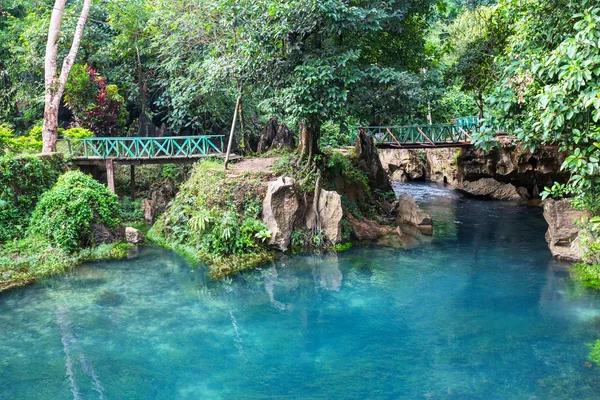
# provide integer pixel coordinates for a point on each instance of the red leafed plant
(95, 104)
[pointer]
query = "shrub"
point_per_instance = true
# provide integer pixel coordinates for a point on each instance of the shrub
(77, 133)
(30, 143)
(65, 214)
(23, 179)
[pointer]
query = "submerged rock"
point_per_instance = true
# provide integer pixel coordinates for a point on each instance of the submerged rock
(407, 211)
(491, 188)
(368, 161)
(563, 234)
(133, 236)
(366, 229)
(279, 211)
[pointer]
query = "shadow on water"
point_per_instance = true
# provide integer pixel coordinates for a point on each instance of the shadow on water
(482, 311)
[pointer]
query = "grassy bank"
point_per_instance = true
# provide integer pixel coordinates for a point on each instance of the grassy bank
(215, 219)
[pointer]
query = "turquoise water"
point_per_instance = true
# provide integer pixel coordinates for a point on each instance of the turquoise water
(481, 311)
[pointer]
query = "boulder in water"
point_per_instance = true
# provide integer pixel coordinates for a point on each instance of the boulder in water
(407, 211)
(133, 236)
(563, 234)
(491, 188)
(279, 211)
(330, 215)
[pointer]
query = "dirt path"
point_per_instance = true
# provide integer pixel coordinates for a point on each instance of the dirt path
(263, 165)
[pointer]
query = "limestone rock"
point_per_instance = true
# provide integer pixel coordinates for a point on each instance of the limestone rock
(266, 139)
(284, 139)
(279, 211)
(403, 165)
(330, 215)
(276, 136)
(511, 163)
(133, 236)
(491, 188)
(161, 195)
(367, 159)
(399, 175)
(443, 165)
(407, 211)
(102, 234)
(563, 234)
(149, 210)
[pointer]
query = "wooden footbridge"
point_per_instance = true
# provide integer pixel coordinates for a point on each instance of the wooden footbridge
(99, 154)
(457, 134)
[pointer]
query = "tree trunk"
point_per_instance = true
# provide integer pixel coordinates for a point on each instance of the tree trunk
(243, 131)
(310, 134)
(142, 86)
(479, 102)
(55, 86)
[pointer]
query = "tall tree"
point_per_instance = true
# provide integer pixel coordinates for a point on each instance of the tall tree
(55, 85)
(312, 59)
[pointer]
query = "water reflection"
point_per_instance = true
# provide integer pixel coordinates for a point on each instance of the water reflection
(482, 311)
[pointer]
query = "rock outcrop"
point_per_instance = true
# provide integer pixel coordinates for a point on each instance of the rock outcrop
(133, 236)
(404, 165)
(160, 197)
(443, 165)
(277, 136)
(279, 211)
(330, 215)
(509, 164)
(563, 234)
(492, 189)
(407, 211)
(103, 234)
(368, 161)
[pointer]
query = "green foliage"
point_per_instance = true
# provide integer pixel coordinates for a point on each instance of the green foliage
(64, 215)
(9, 142)
(131, 211)
(23, 179)
(548, 91)
(77, 133)
(339, 134)
(216, 217)
(594, 355)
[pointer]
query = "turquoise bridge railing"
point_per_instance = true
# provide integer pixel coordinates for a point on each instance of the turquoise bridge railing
(146, 147)
(441, 135)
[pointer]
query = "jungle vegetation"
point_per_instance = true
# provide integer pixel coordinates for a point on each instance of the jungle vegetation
(323, 67)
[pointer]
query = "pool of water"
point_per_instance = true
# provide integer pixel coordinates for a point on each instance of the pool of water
(480, 311)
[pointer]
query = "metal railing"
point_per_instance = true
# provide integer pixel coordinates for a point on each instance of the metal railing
(428, 135)
(145, 147)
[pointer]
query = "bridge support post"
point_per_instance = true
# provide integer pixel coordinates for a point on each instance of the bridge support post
(132, 181)
(110, 175)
